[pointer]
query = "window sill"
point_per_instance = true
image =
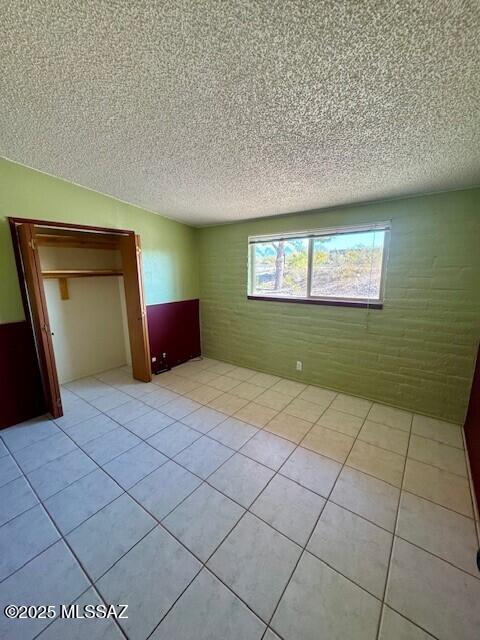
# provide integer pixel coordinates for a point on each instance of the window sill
(330, 303)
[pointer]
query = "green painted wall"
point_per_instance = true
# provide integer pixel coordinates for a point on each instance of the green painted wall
(418, 352)
(170, 257)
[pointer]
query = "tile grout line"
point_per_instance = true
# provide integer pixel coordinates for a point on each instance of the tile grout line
(315, 423)
(159, 523)
(304, 549)
(230, 531)
(234, 451)
(382, 600)
(65, 430)
(206, 481)
(298, 444)
(276, 472)
(74, 555)
(93, 583)
(180, 542)
(389, 565)
(201, 434)
(202, 479)
(261, 428)
(316, 386)
(297, 396)
(242, 454)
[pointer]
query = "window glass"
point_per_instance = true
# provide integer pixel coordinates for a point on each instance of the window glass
(348, 265)
(344, 265)
(280, 268)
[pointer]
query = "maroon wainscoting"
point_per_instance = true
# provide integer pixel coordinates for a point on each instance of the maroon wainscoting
(21, 395)
(174, 329)
(472, 430)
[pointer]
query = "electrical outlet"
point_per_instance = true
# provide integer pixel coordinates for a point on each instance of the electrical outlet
(299, 365)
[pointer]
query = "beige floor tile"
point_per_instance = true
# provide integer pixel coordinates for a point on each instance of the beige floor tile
(241, 479)
(273, 399)
(303, 409)
(380, 463)
(289, 508)
(202, 377)
(180, 407)
(181, 385)
(183, 371)
(320, 604)
(322, 397)
(256, 562)
(204, 419)
(248, 390)
(351, 404)
(224, 383)
(241, 374)
(438, 454)
(233, 433)
(438, 430)
(289, 427)
(289, 387)
(312, 470)
(268, 449)
(328, 442)
(391, 416)
(353, 546)
(139, 390)
(256, 414)
(436, 529)
(203, 394)
(264, 380)
(113, 377)
(396, 627)
(209, 362)
(442, 487)
(221, 368)
(346, 423)
(385, 437)
(201, 363)
(165, 378)
(192, 365)
(228, 403)
(433, 594)
(370, 497)
(160, 398)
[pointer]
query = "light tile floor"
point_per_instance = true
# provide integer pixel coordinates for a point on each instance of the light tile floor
(224, 503)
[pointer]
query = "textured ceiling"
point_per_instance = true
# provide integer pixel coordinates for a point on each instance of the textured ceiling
(211, 111)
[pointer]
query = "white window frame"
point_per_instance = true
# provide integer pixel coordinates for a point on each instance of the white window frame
(311, 235)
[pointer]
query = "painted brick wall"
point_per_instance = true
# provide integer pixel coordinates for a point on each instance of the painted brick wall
(417, 353)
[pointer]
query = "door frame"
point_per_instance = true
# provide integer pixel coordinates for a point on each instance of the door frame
(40, 324)
(138, 331)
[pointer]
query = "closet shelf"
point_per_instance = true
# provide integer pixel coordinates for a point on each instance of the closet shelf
(76, 240)
(81, 273)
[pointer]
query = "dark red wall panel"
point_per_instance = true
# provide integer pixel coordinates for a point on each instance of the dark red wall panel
(21, 395)
(472, 430)
(174, 329)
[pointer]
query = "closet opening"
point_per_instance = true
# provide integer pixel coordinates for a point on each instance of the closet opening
(82, 290)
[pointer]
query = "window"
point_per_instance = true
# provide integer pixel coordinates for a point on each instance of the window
(329, 266)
